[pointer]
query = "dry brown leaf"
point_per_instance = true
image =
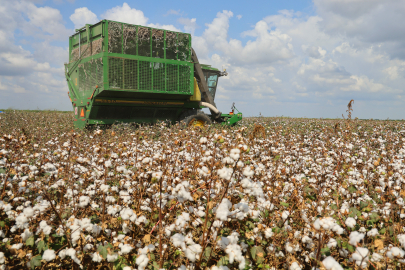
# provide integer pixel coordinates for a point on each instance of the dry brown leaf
(378, 244)
(211, 204)
(21, 253)
(146, 238)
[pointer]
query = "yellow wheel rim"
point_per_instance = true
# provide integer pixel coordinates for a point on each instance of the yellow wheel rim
(196, 123)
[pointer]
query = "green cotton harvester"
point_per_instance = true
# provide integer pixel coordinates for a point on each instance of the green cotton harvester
(128, 73)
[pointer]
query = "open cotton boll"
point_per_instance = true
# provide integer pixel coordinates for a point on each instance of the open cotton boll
(234, 154)
(178, 240)
(192, 252)
(84, 201)
(222, 211)
(112, 258)
(49, 255)
(295, 266)
(376, 257)
(350, 222)
(331, 264)
(395, 253)
(355, 238)
(28, 212)
(203, 140)
(104, 188)
(401, 239)
(361, 256)
(268, 232)
(125, 248)
(26, 234)
(142, 261)
(285, 215)
(373, 232)
(247, 171)
(225, 173)
(96, 257)
(332, 243)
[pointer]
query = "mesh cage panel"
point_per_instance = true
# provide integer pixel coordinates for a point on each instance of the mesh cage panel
(129, 39)
(158, 43)
(115, 76)
(74, 54)
(91, 75)
(96, 46)
(130, 74)
(158, 76)
(85, 50)
(114, 37)
(144, 41)
(172, 72)
(183, 47)
(184, 79)
(171, 45)
(145, 75)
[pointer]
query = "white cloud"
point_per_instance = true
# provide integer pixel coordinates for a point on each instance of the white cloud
(83, 16)
(125, 14)
(189, 24)
(239, 16)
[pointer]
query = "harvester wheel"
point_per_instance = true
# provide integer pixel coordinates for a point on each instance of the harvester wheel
(196, 119)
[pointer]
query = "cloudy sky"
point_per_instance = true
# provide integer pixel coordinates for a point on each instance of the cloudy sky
(293, 58)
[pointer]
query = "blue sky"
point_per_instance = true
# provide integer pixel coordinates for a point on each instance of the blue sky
(291, 58)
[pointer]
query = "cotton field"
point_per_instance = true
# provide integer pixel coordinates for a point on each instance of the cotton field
(269, 193)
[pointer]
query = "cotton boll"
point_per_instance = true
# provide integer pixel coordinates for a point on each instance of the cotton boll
(360, 256)
(350, 222)
(376, 257)
(125, 249)
(225, 173)
(247, 171)
(331, 264)
(355, 238)
(142, 261)
(112, 258)
(295, 266)
(26, 234)
(332, 243)
(84, 201)
(28, 212)
(223, 209)
(285, 215)
(223, 242)
(268, 232)
(395, 253)
(49, 255)
(401, 239)
(96, 257)
(373, 232)
(234, 154)
(193, 251)
(178, 240)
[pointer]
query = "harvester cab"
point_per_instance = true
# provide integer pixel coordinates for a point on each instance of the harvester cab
(127, 73)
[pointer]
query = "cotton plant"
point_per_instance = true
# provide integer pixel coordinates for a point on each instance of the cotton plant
(296, 187)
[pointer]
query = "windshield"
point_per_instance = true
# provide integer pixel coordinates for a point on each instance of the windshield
(212, 81)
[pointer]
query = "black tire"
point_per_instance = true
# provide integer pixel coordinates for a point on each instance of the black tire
(190, 117)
